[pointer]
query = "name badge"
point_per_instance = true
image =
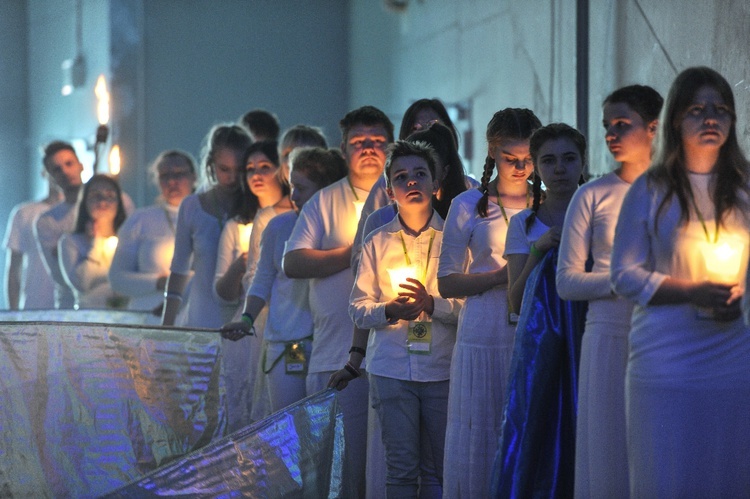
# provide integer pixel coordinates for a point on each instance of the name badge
(419, 340)
(295, 360)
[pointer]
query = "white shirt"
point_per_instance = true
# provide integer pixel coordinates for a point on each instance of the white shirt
(518, 242)
(85, 263)
(387, 351)
(289, 315)
(49, 227)
(329, 221)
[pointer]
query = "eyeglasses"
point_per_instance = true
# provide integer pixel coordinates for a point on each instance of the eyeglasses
(261, 170)
(179, 175)
(107, 197)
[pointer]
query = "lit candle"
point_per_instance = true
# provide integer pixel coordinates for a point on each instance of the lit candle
(723, 260)
(102, 100)
(244, 234)
(110, 245)
(114, 160)
(399, 275)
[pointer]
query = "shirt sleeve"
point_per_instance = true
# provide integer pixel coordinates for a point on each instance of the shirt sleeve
(256, 235)
(366, 307)
(266, 271)
(573, 282)
(183, 241)
(308, 231)
(13, 238)
(124, 275)
(632, 271)
(517, 242)
(225, 254)
(80, 272)
(456, 236)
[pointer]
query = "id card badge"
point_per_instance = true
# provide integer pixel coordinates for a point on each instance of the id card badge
(512, 318)
(419, 340)
(295, 360)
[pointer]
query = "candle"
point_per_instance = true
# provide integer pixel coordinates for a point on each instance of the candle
(110, 245)
(244, 236)
(114, 160)
(723, 259)
(399, 275)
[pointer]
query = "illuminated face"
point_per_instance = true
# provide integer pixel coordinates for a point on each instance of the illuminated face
(707, 121)
(424, 119)
(226, 166)
(101, 201)
(512, 159)
(628, 137)
(411, 182)
(560, 165)
(261, 177)
(65, 169)
(302, 188)
(176, 181)
(365, 150)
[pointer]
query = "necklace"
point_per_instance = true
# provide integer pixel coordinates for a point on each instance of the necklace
(502, 208)
(429, 251)
(351, 186)
(702, 220)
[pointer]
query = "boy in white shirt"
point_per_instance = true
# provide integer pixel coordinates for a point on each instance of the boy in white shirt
(412, 329)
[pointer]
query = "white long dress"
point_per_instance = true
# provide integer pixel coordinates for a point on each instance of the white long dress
(688, 379)
(484, 346)
(196, 244)
(601, 466)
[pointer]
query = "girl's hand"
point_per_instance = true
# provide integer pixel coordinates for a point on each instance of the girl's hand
(235, 330)
(340, 379)
(549, 240)
(403, 308)
(722, 299)
(418, 293)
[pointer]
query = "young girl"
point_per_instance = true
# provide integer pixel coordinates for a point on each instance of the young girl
(630, 119)
(411, 328)
(289, 327)
(472, 266)
(688, 376)
(199, 224)
(146, 240)
(86, 254)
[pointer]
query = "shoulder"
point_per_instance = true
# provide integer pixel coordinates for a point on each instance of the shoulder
(264, 215)
(281, 220)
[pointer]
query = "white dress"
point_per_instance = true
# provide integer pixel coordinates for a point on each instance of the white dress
(37, 287)
(484, 346)
(601, 454)
(144, 252)
(85, 263)
(688, 379)
(196, 243)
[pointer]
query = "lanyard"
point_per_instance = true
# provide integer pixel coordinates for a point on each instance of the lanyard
(702, 220)
(429, 251)
(169, 219)
(356, 198)
(502, 208)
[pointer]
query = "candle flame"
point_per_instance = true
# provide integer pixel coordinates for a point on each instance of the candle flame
(102, 97)
(723, 260)
(110, 245)
(399, 275)
(244, 235)
(114, 160)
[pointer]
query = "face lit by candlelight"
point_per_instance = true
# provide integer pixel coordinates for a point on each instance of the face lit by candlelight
(628, 137)
(411, 182)
(364, 150)
(706, 122)
(261, 178)
(226, 166)
(101, 201)
(65, 169)
(512, 160)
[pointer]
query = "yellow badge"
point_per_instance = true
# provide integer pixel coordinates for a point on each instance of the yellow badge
(420, 337)
(295, 360)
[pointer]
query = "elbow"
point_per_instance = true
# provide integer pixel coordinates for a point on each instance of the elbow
(444, 287)
(291, 265)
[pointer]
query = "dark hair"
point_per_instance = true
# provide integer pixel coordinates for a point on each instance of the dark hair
(170, 156)
(368, 116)
(540, 137)
(410, 116)
(303, 134)
(83, 217)
(250, 204)
(668, 167)
(404, 148)
(642, 99)
(453, 183)
(322, 166)
(225, 136)
(509, 123)
(55, 147)
(261, 124)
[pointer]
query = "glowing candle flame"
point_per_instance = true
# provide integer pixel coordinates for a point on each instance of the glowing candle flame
(724, 260)
(110, 245)
(114, 160)
(102, 97)
(399, 275)
(244, 234)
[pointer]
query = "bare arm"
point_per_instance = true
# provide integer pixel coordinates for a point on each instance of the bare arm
(313, 263)
(341, 378)
(237, 330)
(176, 285)
(461, 285)
(229, 286)
(13, 276)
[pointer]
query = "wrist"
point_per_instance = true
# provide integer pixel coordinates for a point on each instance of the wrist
(534, 250)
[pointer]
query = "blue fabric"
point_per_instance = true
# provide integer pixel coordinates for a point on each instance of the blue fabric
(537, 445)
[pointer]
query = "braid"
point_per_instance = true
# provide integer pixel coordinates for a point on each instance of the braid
(489, 167)
(537, 190)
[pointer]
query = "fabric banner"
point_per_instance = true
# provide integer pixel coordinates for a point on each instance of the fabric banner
(87, 408)
(537, 445)
(295, 452)
(84, 315)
